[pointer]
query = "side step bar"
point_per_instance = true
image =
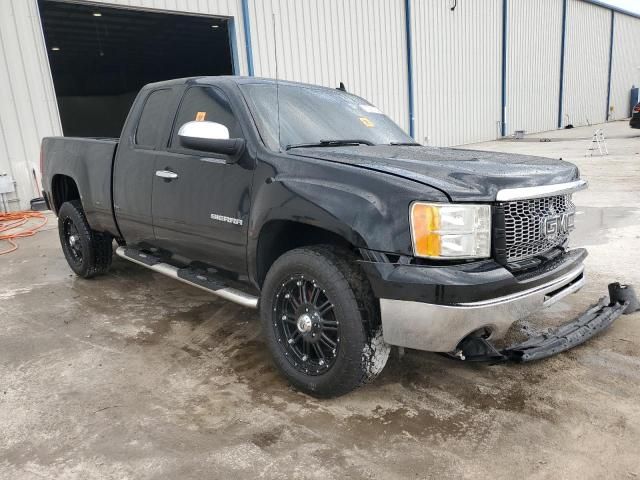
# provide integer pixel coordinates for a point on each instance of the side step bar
(209, 283)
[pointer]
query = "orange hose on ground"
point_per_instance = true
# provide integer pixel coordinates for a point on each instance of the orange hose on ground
(11, 222)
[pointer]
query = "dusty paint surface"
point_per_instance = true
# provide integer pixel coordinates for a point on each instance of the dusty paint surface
(133, 375)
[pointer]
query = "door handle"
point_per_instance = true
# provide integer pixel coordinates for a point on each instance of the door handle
(166, 174)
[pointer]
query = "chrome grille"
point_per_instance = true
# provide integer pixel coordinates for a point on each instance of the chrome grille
(524, 230)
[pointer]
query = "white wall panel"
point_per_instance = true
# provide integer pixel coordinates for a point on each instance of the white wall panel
(586, 71)
(457, 70)
(533, 64)
(625, 68)
(359, 42)
(28, 110)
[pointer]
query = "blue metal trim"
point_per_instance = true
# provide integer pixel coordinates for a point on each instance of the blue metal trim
(613, 16)
(562, 45)
(407, 15)
(247, 35)
(234, 45)
(503, 123)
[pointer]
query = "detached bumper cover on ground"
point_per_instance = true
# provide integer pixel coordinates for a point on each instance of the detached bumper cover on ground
(597, 318)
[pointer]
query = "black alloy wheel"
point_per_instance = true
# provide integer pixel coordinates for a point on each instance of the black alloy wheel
(321, 321)
(305, 324)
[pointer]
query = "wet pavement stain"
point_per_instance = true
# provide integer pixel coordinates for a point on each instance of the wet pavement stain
(267, 438)
(194, 352)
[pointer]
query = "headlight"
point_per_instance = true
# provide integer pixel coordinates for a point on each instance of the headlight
(441, 230)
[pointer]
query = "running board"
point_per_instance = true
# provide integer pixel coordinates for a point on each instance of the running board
(210, 283)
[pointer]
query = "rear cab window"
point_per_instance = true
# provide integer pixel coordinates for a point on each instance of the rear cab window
(153, 118)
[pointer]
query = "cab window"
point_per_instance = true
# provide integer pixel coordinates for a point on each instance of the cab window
(149, 128)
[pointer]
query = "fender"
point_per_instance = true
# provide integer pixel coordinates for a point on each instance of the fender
(368, 209)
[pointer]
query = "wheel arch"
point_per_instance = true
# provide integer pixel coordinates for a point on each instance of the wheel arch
(280, 236)
(63, 189)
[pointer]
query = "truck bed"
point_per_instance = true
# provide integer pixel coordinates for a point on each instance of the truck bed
(89, 161)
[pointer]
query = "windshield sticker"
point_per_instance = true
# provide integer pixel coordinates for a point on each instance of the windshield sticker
(366, 122)
(200, 116)
(370, 109)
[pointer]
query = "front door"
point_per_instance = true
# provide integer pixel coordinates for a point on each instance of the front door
(201, 202)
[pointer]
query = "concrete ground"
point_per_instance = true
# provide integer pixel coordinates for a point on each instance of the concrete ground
(134, 375)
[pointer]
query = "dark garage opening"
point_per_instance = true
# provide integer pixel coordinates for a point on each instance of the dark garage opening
(100, 57)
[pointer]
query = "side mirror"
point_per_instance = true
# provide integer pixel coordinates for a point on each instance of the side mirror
(209, 137)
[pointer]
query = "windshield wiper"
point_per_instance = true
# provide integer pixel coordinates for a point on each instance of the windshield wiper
(331, 143)
(405, 144)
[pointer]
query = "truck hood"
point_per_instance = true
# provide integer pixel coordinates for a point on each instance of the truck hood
(463, 175)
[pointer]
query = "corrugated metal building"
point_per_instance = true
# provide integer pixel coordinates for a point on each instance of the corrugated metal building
(448, 72)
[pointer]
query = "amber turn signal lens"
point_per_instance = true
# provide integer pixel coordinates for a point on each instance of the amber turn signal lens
(426, 223)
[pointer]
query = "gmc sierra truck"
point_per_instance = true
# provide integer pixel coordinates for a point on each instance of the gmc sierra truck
(311, 205)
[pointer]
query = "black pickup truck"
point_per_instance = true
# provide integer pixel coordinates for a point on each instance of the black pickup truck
(310, 204)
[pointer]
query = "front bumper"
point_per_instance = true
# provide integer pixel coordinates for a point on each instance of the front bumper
(437, 317)
(439, 328)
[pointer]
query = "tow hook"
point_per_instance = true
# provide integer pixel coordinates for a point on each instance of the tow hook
(622, 300)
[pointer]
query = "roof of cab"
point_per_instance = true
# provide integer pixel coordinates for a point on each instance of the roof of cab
(222, 79)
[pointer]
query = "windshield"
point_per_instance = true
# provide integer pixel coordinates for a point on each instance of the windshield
(311, 115)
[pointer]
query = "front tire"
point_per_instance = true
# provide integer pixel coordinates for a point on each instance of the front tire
(321, 321)
(88, 253)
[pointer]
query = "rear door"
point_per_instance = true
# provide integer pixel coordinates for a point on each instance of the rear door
(202, 212)
(147, 127)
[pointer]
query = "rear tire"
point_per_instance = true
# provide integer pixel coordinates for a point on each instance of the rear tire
(88, 253)
(313, 299)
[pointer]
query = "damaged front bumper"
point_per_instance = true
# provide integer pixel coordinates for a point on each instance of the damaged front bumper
(457, 310)
(599, 317)
(440, 328)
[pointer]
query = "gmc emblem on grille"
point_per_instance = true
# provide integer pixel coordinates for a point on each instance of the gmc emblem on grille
(556, 225)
